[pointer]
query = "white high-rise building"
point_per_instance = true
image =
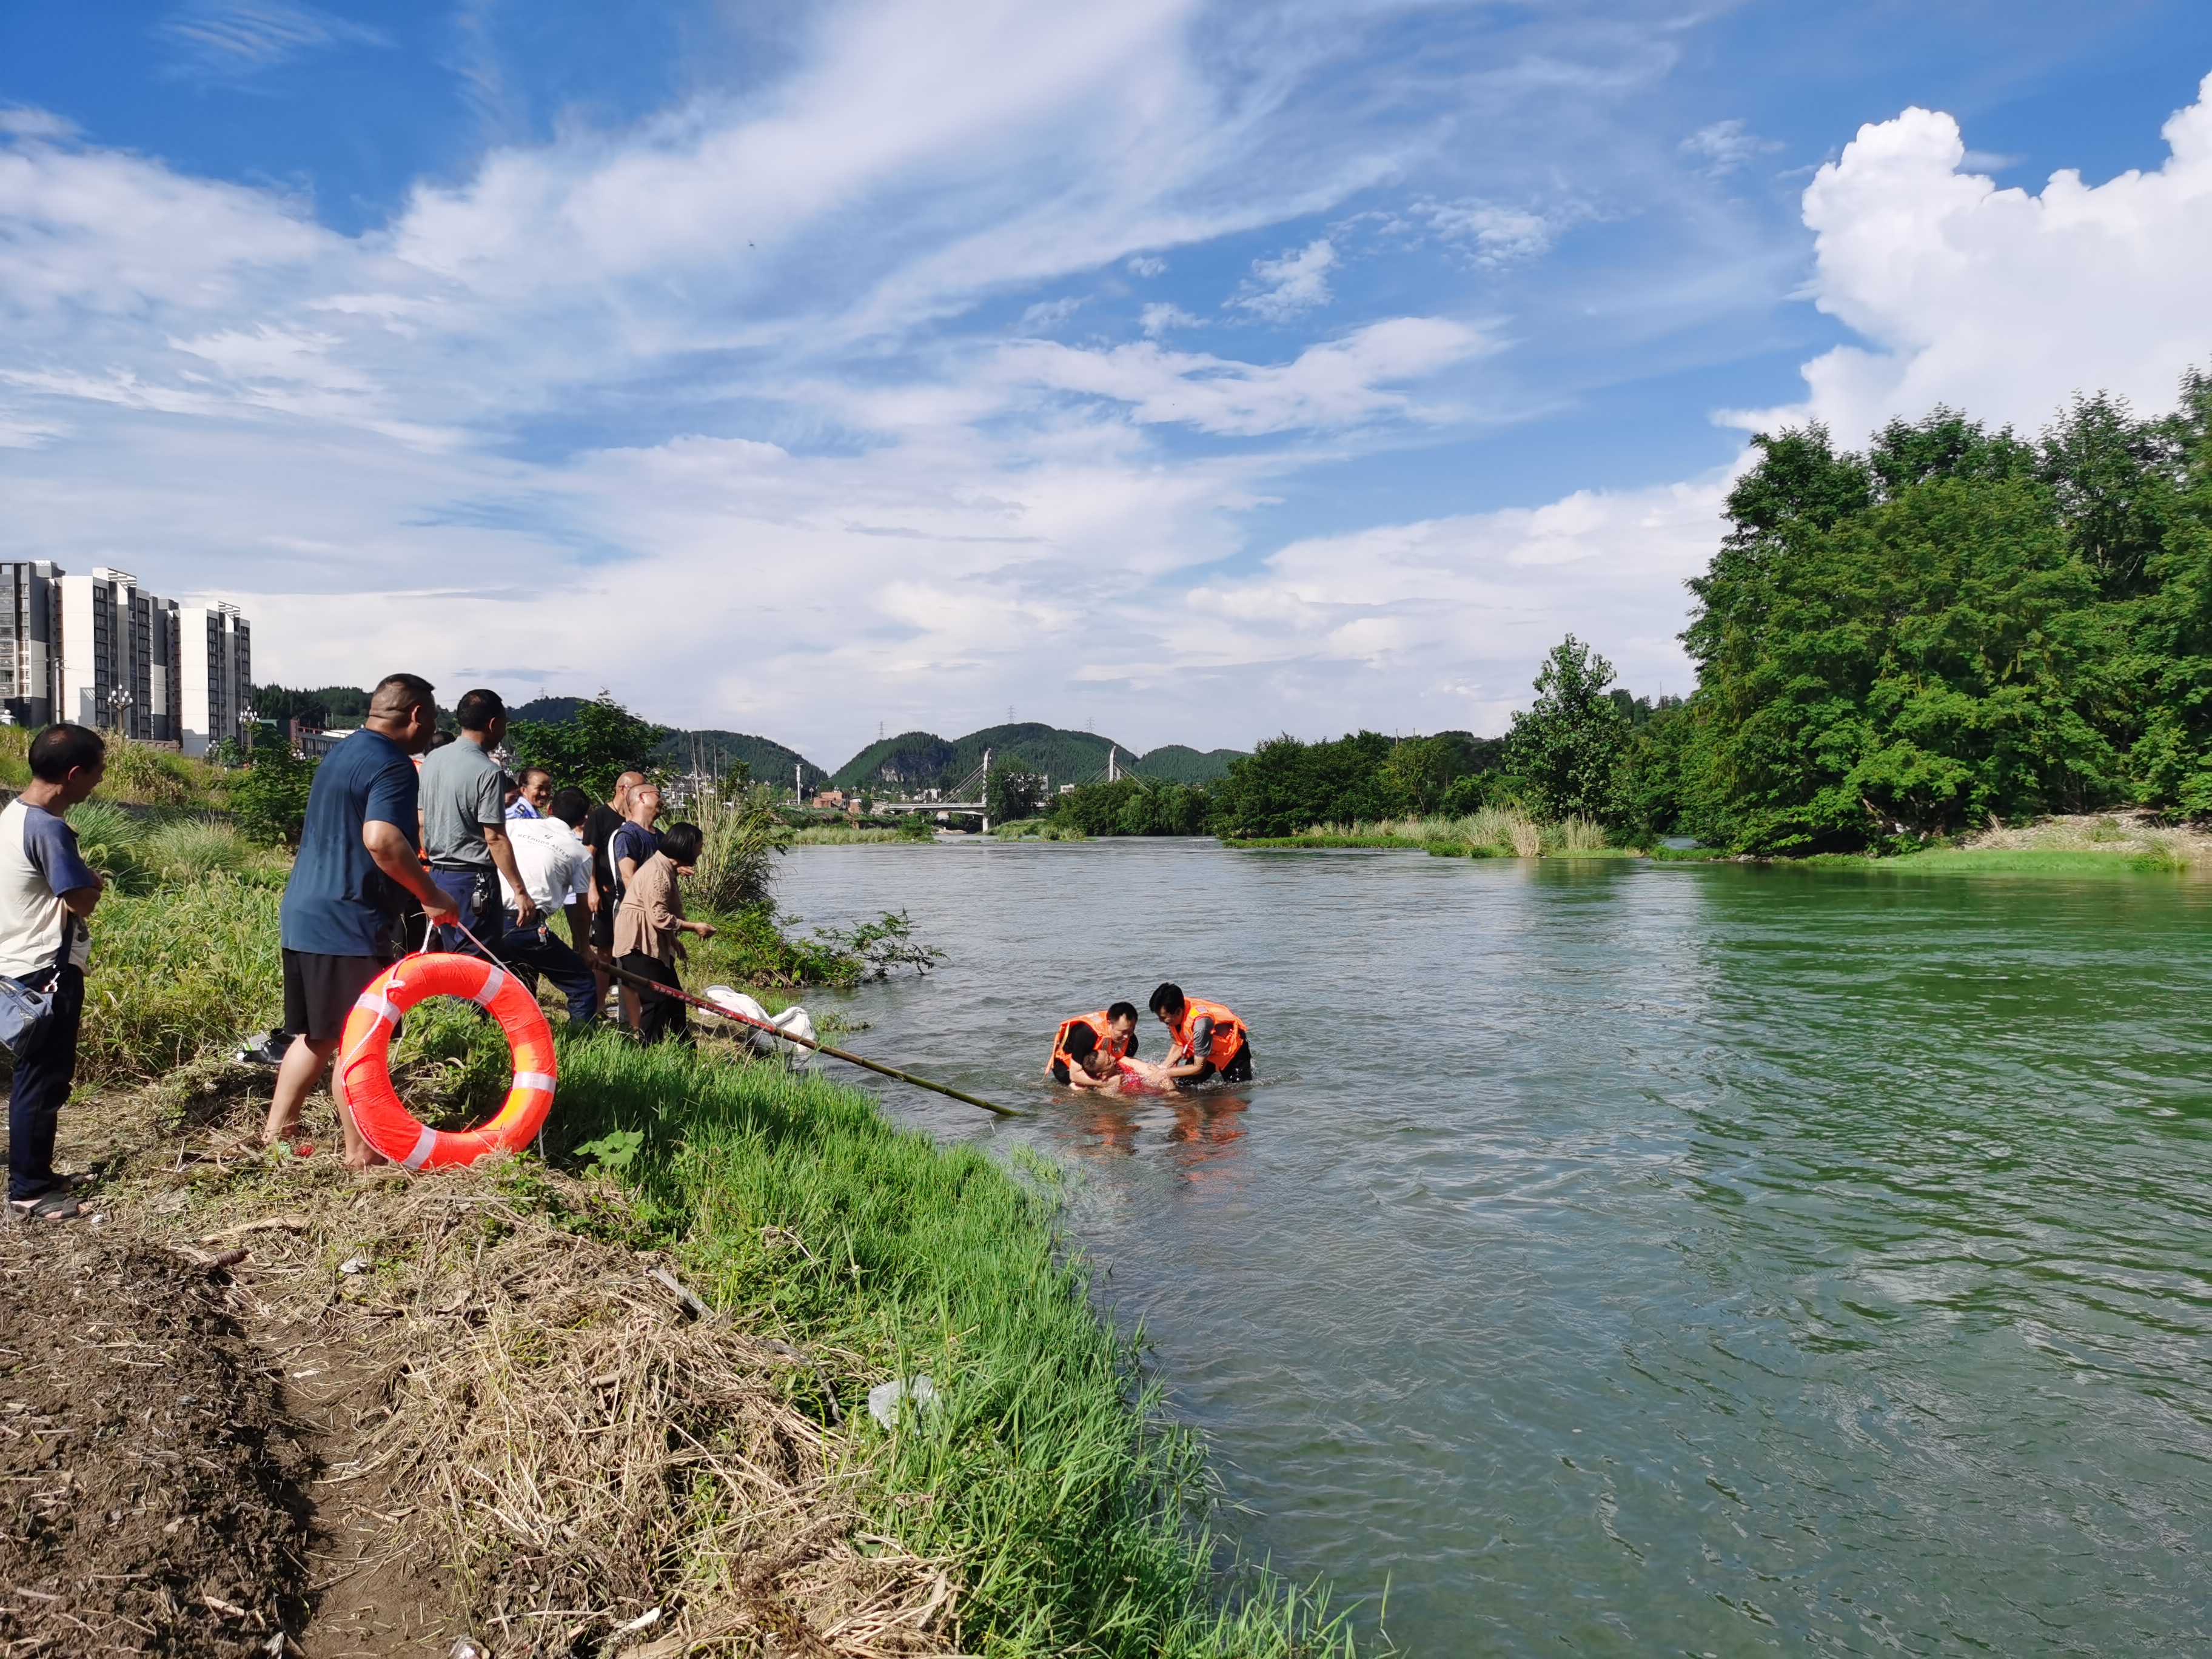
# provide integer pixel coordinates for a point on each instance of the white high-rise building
(30, 640)
(215, 678)
(118, 657)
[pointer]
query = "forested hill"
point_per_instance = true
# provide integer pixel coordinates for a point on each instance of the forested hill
(770, 761)
(1176, 762)
(923, 760)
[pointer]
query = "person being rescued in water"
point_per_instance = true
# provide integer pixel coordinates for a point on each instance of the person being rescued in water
(1113, 1031)
(1209, 1040)
(1103, 1071)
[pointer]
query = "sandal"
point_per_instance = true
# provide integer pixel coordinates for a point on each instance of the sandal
(57, 1204)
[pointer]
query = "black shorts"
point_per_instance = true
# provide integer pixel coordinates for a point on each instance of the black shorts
(319, 991)
(1238, 1070)
(603, 925)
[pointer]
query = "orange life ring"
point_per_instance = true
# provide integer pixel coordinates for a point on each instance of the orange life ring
(386, 1124)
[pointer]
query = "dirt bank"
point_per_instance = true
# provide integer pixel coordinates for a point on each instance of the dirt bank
(266, 1407)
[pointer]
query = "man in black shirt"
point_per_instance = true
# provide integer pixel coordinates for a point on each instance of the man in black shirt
(598, 831)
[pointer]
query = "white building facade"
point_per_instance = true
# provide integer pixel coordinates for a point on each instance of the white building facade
(215, 675)
(119, 667)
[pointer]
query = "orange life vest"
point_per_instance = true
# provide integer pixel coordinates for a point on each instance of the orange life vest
(1100, 1027)
(1229, 1034)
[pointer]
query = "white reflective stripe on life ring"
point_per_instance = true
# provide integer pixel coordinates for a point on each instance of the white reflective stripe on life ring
(534, 1081)
(424, 1143)
(494, 979)
(382, 1007)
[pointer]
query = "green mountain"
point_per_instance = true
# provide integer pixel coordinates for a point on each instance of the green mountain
(923, 760)
(770, 761)
(1176, 762)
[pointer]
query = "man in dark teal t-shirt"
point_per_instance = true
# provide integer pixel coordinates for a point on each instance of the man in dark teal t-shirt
(357, 854)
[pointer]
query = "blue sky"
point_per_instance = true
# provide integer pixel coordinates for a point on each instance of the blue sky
(1191, 371)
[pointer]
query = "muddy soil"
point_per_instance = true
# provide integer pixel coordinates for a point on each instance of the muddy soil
(156, 1493)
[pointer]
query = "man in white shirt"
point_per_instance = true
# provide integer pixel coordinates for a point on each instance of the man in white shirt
(46, 893)
(555, 867)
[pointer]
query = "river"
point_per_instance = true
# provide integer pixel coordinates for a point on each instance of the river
(1619, 1258)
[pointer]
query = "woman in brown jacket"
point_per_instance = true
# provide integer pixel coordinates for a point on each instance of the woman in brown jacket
(648, 933)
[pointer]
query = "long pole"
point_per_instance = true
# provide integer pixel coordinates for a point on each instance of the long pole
(641, 983)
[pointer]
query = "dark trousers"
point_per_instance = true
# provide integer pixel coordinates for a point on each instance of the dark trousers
(530, 951)
(44, 1071)
(477, 894)
(657, 1016)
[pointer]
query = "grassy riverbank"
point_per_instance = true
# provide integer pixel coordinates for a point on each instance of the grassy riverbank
(1488, 832)
(1072, 1510)
(1063, 1510)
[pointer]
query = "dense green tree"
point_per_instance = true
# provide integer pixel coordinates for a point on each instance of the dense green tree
(1954, 626)
(593, 747)
(1565, 750)
(1285, 784)
(1015, 791)
(1135, 806)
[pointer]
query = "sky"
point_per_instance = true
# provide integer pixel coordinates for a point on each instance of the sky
(1188, 372)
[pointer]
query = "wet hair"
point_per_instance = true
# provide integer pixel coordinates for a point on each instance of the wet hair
(396, 694)
(61, 749)
(1080, 1042)
(1168, 1000)
(1098, 1062)
(1121, 1011)
(477, 710)
(682, 842)
(570, 805)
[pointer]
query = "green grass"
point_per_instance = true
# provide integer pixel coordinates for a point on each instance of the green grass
(177, 973)
(1326, 843)
(1953, 861)
(1073, 1508)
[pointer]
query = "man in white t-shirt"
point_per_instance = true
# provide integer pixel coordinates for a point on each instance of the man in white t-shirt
(555, 866)
(46, 892)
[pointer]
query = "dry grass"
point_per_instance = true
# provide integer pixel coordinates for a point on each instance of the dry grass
(2137, 835)
(589, 1453)
(563, 1432)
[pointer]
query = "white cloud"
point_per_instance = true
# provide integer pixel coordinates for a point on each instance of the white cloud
(220, 39)
(1290, 286)
(1499, 234)
(1997, 302)
(1439, 624)
(1051, 313)
(1158, 319)
(1145, 264)
(1727, 146)
(1335, 383)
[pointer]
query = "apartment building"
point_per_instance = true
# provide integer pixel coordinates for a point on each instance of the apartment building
(30, 642)
(215, 649)
(119, 657)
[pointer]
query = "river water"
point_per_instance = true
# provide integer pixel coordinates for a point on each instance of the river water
(1616, 1258)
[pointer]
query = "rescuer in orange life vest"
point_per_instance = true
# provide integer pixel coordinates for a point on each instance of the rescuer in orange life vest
(1114, 1030)
(1210, 1041)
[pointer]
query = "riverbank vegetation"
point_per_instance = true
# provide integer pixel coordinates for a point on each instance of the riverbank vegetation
(1038, 1502)
(1952, 628)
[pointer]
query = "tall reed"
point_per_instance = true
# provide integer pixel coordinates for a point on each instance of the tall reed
(743, 835)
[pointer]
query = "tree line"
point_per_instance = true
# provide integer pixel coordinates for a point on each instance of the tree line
(1953, 626)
